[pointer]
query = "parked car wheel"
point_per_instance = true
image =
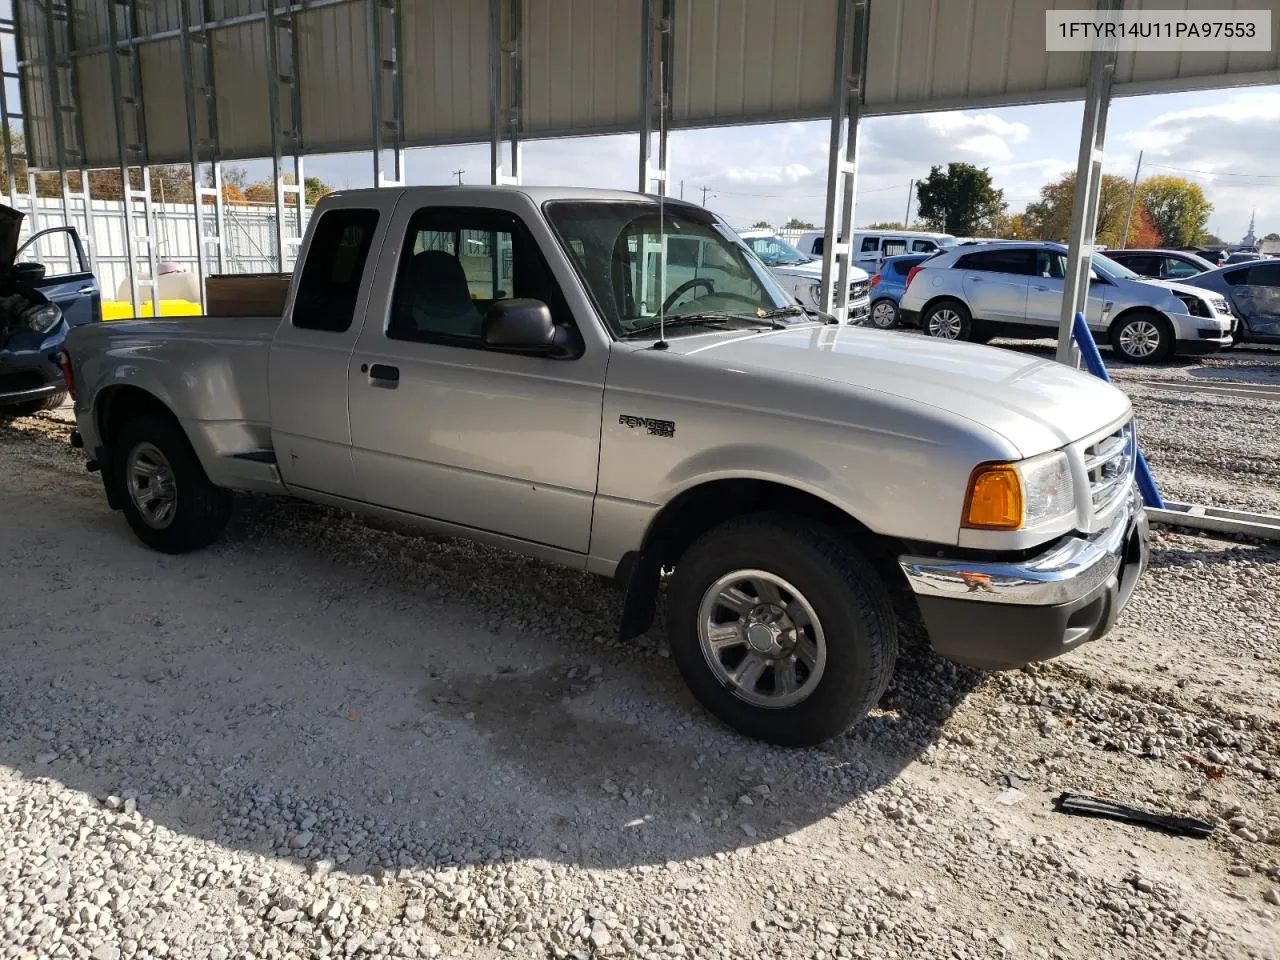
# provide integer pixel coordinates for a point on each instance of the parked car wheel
(884, 314)
(782, 630)
(948, 320)
(32, 407)
(1143, 337)
(1237, 332)
(168, 500)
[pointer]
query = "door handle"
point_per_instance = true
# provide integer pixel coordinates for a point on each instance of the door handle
(976, 279)
(87, 291)
(381, 375)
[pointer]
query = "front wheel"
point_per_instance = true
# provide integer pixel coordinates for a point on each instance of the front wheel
(32, 407)
(1143, 337)
(948, 320)
(781, 629)
(168, 500)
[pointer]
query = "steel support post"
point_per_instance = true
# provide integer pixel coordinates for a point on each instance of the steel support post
(842, 171)
(285, 111)
(655, 92)
(8, 71)
(130, 145)
(387, 78)
(504, 88)
(1084, 206)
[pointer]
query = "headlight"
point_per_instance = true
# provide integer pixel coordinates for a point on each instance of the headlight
(44, 318)
(815, 292)
(1018, 496)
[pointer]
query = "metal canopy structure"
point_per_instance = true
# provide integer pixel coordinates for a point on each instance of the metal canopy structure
(321, 76)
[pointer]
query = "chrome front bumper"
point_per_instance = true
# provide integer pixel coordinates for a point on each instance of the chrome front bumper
(995, 614)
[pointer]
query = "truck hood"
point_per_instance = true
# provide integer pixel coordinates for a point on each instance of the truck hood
(1034, 404)
(813, 271)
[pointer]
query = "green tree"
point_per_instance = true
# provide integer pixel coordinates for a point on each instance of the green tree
(1177, 207)
(885, 225)
(1049, 218)
(797, 224)
(762, 225)
(315, 189)
(1272, 236)
(961, 200)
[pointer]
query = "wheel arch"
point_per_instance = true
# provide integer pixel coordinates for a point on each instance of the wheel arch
(940, 298)
(114, 406)
(709, 503)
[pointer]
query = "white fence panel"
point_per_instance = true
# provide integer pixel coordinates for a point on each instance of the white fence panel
(249, 235)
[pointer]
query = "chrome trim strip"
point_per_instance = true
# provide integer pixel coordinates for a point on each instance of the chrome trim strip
(1067, 572)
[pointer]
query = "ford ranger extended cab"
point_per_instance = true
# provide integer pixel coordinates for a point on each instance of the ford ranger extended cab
(480, 361)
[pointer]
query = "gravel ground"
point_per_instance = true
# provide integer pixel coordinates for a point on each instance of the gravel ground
(319, 738)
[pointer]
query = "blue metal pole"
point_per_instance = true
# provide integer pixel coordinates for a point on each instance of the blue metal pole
(1093, 360)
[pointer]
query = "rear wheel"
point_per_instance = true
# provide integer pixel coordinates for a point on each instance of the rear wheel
(884, 314)
(1143, 337)
(948, 320)
(168, 500)
(781, 629)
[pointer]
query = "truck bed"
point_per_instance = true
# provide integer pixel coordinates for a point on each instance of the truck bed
(210, 371)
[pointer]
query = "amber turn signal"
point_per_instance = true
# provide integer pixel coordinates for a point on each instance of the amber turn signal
(994, 500)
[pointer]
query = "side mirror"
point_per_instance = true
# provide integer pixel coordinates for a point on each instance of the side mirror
(521, 325)
(28, 272)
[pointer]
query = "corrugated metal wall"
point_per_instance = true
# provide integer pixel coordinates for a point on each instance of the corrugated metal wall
(735, 61)
(945, 54)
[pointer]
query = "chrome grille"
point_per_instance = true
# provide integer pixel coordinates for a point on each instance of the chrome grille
(858, 289)
(1109, 463)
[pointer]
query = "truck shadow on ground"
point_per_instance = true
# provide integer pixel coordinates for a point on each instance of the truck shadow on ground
(314, 689)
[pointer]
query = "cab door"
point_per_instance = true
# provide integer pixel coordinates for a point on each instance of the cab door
(446, 428)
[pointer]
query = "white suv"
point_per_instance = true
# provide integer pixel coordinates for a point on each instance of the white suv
(802, 275)
(1008, 289)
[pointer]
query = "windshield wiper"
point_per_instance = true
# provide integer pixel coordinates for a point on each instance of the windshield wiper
(798, 310)
(706, 320)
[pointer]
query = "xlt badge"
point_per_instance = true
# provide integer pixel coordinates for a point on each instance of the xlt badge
(655, 428)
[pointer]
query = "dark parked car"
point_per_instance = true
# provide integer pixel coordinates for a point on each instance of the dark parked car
(887, 286)
(36, 311)
(1253, 290)
(1162, 264)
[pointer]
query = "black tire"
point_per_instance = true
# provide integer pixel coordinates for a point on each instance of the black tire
(200, 510)
(32, 407)
(843, 590)
(1142, 321)
(888, 318)
(934, 321)
(1237, 333)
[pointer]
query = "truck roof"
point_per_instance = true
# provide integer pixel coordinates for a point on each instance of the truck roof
(536, 194)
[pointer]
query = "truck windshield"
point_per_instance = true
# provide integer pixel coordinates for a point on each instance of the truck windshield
(776, 252)
(614, 247)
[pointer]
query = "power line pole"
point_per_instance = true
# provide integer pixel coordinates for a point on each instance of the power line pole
(458, 174)
(705, 191)
(681, 189)
(1133, 193)
(906, 221)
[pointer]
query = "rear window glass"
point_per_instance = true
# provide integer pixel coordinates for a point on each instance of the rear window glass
(330, 281)
(903, 267)
(998, 261)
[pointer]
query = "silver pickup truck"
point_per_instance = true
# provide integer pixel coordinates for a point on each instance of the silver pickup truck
(493, 363)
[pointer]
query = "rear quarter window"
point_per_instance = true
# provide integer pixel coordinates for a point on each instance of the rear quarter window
(334, 268)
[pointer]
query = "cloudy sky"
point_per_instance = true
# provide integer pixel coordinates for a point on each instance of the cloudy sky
(1226, 140)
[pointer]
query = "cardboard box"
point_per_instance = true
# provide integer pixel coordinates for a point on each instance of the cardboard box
(247, 294)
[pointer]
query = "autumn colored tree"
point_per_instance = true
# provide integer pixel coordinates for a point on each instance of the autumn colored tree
(1143, 234)
(1049, 218)
(1177, 207)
